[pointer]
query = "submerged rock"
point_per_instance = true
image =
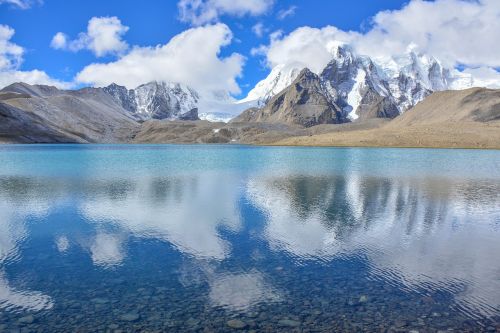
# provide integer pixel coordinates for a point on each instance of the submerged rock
(363, 299)
(27, 320)
(100, 300)
(236, 324)
(288, 323)
(130, 317)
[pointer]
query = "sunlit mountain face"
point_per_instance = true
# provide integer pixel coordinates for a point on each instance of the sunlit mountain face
(165, 237)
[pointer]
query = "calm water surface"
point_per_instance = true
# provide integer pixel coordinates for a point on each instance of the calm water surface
(219, 238)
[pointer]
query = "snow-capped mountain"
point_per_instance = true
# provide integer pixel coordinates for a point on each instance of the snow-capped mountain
(280, 78)
(365, 87)
(303, 103)
(165, 100)
(157, 100)
(359, 85)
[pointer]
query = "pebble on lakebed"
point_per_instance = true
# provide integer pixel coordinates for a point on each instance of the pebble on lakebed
(288, 323)
(27, 320)
(130, 317)
(236, 324)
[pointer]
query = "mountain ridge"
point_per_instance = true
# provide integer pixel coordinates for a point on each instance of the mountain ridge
(153, 100)
(467, 118)
(364, 87)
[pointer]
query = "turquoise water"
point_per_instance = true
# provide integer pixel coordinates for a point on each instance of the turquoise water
(224, 238)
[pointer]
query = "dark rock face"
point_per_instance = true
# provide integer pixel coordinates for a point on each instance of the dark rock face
(304, 103)
(125, 97)
(190, 115)
(375, 106)
(341, 70)
(340, 77)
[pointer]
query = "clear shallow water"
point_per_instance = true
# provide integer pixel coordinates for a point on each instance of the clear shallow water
(211, 238)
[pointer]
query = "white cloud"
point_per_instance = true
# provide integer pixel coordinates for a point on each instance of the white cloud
(22, 4)
(454, 31)
(59, 41)
(485, 77)
(192, 58)
(284, 13)
(103, 37)
(11, 54)
(304, 47)
(31, 77)
(11, 58)
(259, 29)
(199, 12)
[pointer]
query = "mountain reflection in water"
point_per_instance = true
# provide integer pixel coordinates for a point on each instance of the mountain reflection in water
(236, 241)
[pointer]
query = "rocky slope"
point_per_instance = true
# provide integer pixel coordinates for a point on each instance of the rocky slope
(303, 103)
(467, 118)
(447, 107)
(366, 88)
(46, 114)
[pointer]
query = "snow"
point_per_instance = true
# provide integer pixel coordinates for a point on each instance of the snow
(215, 110)
(354, 96)
(179, 97)
(460, 81)
(278, 80)
(216, 117)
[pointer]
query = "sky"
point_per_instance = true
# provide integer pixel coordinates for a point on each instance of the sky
(230, 45)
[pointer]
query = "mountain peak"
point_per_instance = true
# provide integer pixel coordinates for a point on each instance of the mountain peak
(157, 100)
(115, 86)
(306, 74)
(302, 103)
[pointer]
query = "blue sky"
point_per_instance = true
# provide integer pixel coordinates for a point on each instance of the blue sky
(155, 22)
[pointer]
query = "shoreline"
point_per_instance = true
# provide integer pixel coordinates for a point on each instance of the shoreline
(375, 146)
(283, 145)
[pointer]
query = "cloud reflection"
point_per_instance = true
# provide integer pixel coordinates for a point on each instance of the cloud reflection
(107, 250)
(236, 291)
(241, 291)
(179, 210)
(427, 232)
(11, 297)
(13, 233)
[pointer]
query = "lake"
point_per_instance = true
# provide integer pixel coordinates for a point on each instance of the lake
(264, 239)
